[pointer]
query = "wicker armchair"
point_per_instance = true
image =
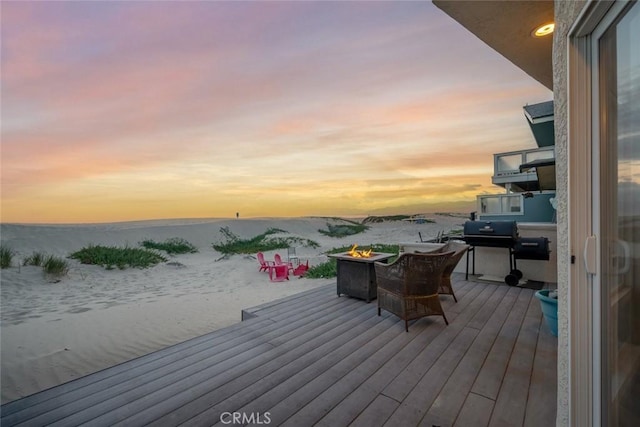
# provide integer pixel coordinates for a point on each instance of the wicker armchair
(408, 287)
(458, 249)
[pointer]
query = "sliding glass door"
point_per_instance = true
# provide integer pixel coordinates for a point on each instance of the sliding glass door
(617, 214)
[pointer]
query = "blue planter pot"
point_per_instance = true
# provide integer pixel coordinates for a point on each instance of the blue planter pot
(549, 310)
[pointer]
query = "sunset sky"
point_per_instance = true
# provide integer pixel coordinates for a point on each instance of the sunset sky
(116, 111)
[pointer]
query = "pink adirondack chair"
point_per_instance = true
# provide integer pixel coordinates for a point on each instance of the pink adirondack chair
(277, 260)
(279, 273)
(301, 269)
(264, 265)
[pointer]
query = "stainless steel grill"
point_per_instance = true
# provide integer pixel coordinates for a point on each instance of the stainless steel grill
(495, 234)
(504, 234)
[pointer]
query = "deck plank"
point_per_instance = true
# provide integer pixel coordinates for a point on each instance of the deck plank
(449, 402)
(144, 382)
(285, 408)
(511, 403)
(492, 372)
(402, 385)
(382, 408)
(219, 340)
(277, 368)
(189, 391)
(415, 405)
(338, 391)
(352, 406)
(543, 387)
(273, 308)
(476, 411)
(316, 358)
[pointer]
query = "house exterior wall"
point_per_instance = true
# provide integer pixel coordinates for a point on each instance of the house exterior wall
(566, 12)
(537, 208)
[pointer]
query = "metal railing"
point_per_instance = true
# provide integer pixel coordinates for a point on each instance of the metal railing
(500, 204)
(505, 164)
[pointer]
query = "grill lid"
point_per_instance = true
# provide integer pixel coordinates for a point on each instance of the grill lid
(490, 233)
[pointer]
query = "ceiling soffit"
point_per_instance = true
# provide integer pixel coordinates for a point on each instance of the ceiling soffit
(506, 26)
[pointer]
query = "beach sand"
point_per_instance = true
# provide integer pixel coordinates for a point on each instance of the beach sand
(93, 318)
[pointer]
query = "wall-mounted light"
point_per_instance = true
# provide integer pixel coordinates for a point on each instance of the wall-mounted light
(543, 30)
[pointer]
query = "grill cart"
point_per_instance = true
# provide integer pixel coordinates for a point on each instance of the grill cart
(504, 234)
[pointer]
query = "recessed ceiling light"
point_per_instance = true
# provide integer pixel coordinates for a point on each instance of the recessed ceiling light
(543, 30)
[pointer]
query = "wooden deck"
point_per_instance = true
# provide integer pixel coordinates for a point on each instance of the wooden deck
(319, 359)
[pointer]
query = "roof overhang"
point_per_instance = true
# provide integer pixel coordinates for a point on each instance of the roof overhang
(507, 27)
(540, 119)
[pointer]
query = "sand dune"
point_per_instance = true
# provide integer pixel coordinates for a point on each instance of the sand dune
(95, 318)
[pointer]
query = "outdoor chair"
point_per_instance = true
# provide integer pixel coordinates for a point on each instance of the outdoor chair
(292, 258)
(264, 265)
(458, 249)
(277, 259)
(279, 273)
(408, 287)
(301, 269)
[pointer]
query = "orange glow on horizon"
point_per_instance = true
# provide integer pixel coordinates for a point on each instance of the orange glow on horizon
(189, 115)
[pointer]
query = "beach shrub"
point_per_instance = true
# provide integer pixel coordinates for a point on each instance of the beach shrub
(378, 219)
(111, 256)
(286, 242)
(419, 219)
(235, 245)
(260, 243)
(322, 271)
(172, 246)
(51, 265)
(54, 266)
(6, 256)
(453, 214)
(343, 230)
(35, 259)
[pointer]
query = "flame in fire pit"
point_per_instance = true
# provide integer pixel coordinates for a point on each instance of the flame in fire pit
(359, 254)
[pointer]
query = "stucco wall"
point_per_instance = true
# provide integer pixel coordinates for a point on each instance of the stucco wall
(566, 13)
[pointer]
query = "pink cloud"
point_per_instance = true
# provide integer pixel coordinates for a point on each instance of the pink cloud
(305, 89)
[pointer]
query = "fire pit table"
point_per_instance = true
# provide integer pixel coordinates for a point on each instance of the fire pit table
(357, 275)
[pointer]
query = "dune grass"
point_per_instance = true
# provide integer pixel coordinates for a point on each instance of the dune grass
(6, 256)
(260, 243)
(36, 259)
(112, 256)
(54, 266)
(329, 268)
(344, 230)
(378, 219)
(173, 246)
(323, 270)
